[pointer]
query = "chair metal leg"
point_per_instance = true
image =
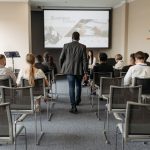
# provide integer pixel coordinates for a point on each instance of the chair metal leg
(38, 139)
(25, 134)
(106, 131)
(122, 142)
(50, 110)
(116, 138)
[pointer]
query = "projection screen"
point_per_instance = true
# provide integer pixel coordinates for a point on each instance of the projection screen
(93, 26)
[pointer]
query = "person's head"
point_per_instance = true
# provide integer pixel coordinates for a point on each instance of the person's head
(103, 57)
(2, 60)
(46, 57)
(76, 36)
(146, 56)
(132, 59)
(39, 59)
(118, 57)
(30, 59)
(139, 57)
(90, 53)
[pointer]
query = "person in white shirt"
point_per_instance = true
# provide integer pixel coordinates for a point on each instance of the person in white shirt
(31, 73)
(91, 60)
(119, 62)
(5, 71)
(140, 70)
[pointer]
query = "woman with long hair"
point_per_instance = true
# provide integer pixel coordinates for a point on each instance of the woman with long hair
(31, 73)
(91, 59)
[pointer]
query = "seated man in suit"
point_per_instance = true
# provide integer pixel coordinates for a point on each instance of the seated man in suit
(103, 66)
(140, 70)
(5, 71)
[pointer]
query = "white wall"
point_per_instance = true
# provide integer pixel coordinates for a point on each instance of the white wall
(15, 30)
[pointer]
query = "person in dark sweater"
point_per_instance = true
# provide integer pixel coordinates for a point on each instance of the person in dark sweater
(132, 62)
(103, 66)
(39, 65)
(146, 57)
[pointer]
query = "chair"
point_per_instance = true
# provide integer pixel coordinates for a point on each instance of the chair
(105, 83)
(122, 74)
(22, 102)
(39, 89)
(5, 81)
(145, 82)
(117, 72)
(8, 133)
(137, 124)
(118, 98)
(96, 81)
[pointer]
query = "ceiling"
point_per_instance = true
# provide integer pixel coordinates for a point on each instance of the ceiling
(75, 3)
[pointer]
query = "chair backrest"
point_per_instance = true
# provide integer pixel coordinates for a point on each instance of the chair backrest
(98, 75)
(5, 81)
(39, 87)
(119, 96)
(6, 127)
(20, 99)
(122, 74)
(145, 82)
(137, 122)
(106, 82)
(117, 72)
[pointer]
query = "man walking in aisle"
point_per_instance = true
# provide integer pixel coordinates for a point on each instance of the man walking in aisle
(73, 62)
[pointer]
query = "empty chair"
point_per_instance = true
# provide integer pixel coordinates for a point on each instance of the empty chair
(22, 102)
(40, 91)
(137, 124)
(96, 82)
(8, 134)
(118, 98)
(105, 83)
(145, 82)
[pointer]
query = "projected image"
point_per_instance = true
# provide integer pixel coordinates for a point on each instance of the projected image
(93, 27)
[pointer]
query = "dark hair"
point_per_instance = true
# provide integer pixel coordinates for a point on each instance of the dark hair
(75, 36)
(91, 56)
(39, 58)
(2, 56)
(146, 56)
(119, 57)
(103, 57)
(132, 56)
(46, 56)
(140, 55)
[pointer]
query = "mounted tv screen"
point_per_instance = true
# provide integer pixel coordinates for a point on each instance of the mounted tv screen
(93, 26)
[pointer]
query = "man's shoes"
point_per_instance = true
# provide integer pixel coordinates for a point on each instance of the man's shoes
(73, 110)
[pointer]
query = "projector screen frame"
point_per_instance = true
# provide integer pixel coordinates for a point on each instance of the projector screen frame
(84, 9)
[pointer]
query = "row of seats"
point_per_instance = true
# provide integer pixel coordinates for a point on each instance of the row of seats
(123, 102)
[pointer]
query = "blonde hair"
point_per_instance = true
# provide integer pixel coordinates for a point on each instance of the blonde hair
(119, 57)
(31, 60)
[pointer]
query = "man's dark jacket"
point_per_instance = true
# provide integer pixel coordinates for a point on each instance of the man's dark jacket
(73, 59)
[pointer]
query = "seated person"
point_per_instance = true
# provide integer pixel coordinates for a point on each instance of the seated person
(49, 62)
(139, 70)
(5, 71)
(31, 73)
(103, 66)
(146, 57)
(132, 62)
(119, 62)
(39, 65)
